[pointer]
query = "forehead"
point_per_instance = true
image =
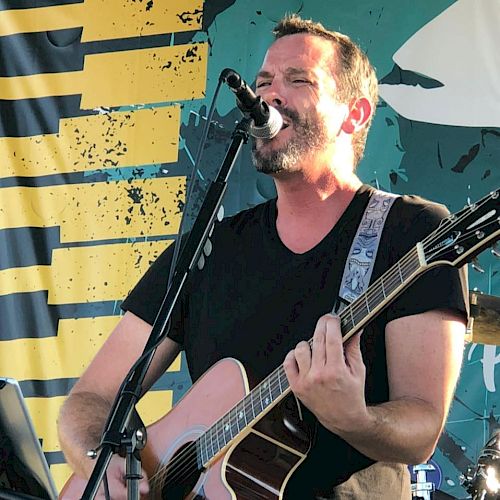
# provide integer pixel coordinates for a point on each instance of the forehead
(302, 50)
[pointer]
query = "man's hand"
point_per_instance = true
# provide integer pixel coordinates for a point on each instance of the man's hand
(329, 378)
(116, 483)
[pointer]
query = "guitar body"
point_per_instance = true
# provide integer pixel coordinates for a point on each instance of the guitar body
(256, 465)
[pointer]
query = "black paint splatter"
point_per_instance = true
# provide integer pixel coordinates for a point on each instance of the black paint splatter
(135, 194)
(466, 159)
(187, 17)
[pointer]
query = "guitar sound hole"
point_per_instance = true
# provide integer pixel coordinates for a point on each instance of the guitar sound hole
(181, 475)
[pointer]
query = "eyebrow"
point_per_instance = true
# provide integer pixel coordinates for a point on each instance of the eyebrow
(289, 72)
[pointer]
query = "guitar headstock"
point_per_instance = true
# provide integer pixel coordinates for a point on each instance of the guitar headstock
(463, 235)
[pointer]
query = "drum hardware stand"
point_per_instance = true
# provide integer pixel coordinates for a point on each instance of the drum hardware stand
(422, 488)
(483, 482)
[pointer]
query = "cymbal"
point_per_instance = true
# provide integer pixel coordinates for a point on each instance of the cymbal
(484, 322)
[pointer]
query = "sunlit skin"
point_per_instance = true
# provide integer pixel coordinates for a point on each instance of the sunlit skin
(297, 74)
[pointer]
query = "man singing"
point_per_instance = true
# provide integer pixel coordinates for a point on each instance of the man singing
(380, 400)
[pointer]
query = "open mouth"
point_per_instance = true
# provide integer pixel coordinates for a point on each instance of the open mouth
(285, 125)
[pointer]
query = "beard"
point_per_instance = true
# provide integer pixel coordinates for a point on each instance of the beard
(309, 135)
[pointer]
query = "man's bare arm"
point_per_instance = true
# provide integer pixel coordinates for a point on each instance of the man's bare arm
(424, 355)
(84, 413)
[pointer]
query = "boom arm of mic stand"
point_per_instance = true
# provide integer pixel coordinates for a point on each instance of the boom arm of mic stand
(187, 260)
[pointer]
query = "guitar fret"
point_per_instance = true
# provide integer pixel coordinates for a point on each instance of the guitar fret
(206, 448)
(251, 405)
(245, 413)
(227, 428)
(199, 451)
(266, 400)
(260, 397)
(382, 286)
(223, 434)
(216, 439)
(212, 441)
(276, 386)
(400, 273)
(239, 415)
(270, 393)
(236, 425)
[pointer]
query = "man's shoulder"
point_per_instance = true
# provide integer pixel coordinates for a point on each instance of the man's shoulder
(410, 209)
(246, 219)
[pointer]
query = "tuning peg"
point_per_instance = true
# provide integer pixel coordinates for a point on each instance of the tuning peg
(496, 250)
(220, 213)
(207, 249)
(201, 262)
(475, 265)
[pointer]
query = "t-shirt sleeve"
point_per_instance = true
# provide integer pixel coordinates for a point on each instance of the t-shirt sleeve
(442, 287)
(146, 297)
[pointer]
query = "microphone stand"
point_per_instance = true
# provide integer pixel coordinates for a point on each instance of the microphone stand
(117, 436)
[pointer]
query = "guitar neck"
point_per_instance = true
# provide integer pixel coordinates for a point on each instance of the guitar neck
(275, 387)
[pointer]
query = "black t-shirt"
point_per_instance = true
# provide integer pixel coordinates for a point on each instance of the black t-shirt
(255, 300)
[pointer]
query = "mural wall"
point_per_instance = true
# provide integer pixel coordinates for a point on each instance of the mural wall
(102, 103)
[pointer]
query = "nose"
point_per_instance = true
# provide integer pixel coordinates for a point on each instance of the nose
(273, 94)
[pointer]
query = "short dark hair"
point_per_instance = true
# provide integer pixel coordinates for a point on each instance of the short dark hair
(353, 71)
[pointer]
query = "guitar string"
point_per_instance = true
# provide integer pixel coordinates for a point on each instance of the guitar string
(186, 456)
(213, 430)
(242, 407)
(188, 453)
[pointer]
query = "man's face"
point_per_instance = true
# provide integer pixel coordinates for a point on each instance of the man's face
(296, 78)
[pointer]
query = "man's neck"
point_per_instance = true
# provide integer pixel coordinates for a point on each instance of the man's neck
(308, 208)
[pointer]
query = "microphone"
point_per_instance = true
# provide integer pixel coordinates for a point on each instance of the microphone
(267, 121)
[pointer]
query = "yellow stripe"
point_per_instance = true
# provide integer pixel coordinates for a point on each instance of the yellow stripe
(60, 474)
(86, 274)
(64, 356)
(40, 19)
(154, 405)
(118, 139)
(89, 212)
(122, 78)
(106, 19)
(24, 279)
(47, 84)
(98, 273)
(145, 76)
(44, 412)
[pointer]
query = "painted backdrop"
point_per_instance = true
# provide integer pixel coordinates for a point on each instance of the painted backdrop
(102, 103)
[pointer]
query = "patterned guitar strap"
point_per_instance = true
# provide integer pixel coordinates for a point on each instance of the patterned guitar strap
(359, 264)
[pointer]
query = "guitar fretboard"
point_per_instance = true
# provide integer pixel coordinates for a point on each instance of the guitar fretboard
(275, 386)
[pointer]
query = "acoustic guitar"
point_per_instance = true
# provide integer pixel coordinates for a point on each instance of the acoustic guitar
(224, 440)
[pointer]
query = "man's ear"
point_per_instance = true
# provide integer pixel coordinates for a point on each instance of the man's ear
(360, 111)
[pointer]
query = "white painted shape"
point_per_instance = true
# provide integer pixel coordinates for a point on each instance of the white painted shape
(459, 48)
